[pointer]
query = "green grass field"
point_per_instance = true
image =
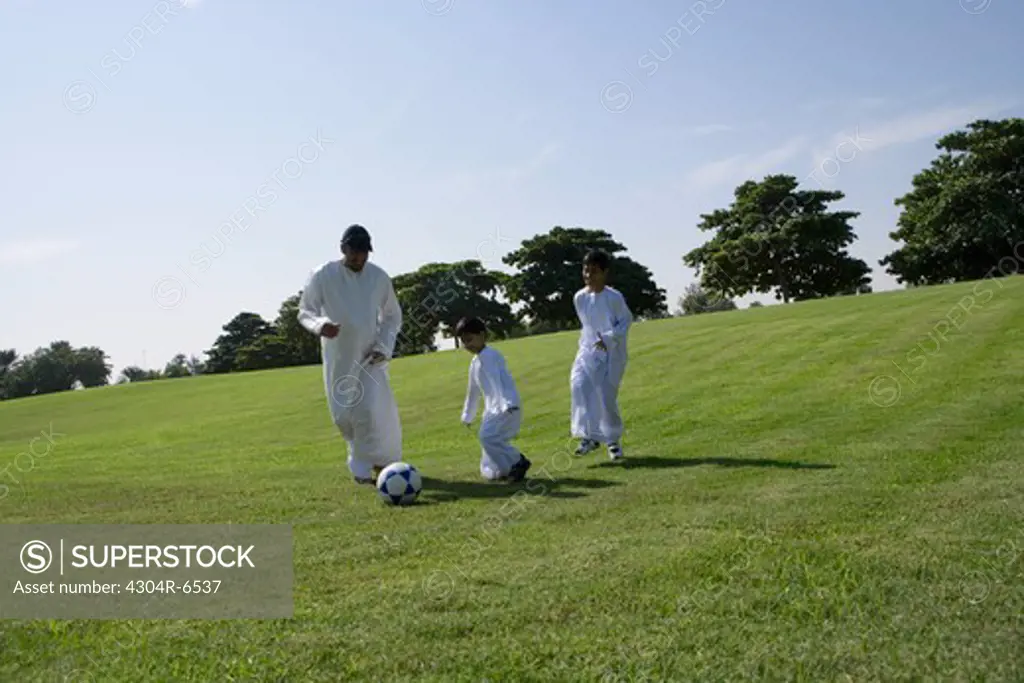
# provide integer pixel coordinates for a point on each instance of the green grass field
(782, 514)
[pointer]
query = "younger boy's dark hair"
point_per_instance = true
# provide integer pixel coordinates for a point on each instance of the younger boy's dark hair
(599, 258)
(470, 326)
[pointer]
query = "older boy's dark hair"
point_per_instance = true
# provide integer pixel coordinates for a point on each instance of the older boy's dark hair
(470, 326)
(599, 258)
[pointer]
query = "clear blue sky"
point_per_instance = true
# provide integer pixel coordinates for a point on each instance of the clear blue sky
(452, 130)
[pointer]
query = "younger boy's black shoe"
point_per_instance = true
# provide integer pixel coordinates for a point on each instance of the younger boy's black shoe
(519, 470)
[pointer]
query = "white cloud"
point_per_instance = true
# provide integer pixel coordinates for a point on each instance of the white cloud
(870, 137)
(845, 146)
(464, 182)
(709, 129)
(871, 102)
(848, 105)
(34, 251)
(545, 156)
(927, 124)
(741, 167)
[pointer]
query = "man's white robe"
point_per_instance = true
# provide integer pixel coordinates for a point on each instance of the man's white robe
(366, 310)
(489, 377)
(596, 374)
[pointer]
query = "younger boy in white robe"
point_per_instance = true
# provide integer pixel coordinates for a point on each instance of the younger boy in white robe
(489, 377)
(600, 360)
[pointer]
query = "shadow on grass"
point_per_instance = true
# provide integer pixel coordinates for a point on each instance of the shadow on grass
(662, 463)
(440, 490)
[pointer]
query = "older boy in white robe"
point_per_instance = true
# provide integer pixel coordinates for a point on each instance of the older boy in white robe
(600, 359)
(351, 305)
(489, 377)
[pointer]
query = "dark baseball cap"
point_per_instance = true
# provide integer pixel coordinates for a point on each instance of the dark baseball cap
(357, 237)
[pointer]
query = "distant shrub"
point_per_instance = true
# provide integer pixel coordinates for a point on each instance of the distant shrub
(696, 300)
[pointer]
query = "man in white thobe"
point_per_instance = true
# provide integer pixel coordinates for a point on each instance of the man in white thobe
(600, 361)
(351, 304)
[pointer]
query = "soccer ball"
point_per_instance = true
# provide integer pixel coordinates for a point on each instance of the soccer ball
(399, 484)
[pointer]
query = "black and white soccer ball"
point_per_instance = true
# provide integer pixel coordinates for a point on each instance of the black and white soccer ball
(399, 484)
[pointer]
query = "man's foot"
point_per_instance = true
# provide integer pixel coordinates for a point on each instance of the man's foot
(371, 480)
(615, 451)
(519, 470)
(586, 446)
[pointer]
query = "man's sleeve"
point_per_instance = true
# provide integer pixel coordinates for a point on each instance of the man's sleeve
(310, 306)
(390, 320)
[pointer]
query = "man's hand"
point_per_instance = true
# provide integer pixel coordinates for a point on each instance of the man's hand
(329, 330)
(375, 357)
(600, 345)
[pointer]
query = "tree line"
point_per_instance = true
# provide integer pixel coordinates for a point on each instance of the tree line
(963, 220)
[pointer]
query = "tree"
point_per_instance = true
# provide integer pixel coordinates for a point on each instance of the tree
(656, 315)
(437, 295)
(134, 373)
(284, 343)
(549, 275)
(300, 347)
(419, 324)
(8, 357)
(268, 351)
(242, 330)
(53, 369)
(91, 367)
(48, 370)
(856, 290)
(964, 217)
(7, 360)
(19, 380)
(177, 367)
(696, 299)
(195, 366)
(775, 238)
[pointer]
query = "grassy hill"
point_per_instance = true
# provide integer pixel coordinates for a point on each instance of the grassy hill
(814, 492)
